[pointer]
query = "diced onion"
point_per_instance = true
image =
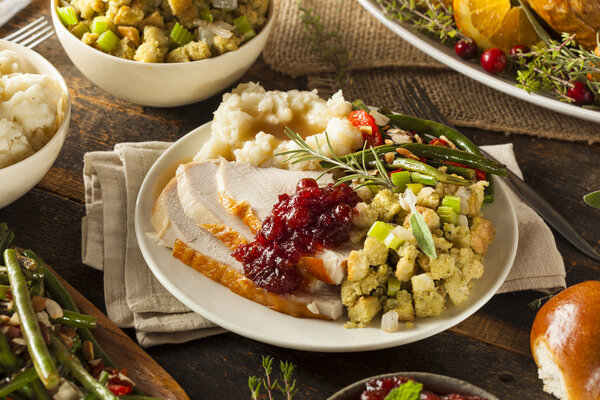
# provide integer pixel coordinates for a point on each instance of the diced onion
(224, 25)
(389, 321)
(224, 33)
(402, 233)
(426, 191)
(380, 119)
(465, 195)
(206, 36)
(462, 220)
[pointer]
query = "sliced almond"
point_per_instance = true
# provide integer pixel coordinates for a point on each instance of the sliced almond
(54, 309)
(20, 341)
(14, 320)
(389, 157)
(43, 318)
(88, 350)
(405, 153)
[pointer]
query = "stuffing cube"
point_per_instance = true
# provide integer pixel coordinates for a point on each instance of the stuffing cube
(428, 198)
(429, 304)
(404, 309)
(460, 236)
(364, 310)
(358, 265)
(386, 204)
(364, 216)
(442, 267)
(422, 283)
(482, 234)
(405, 268)
(128, 16)
(375, 250)
(458, 288)
(470, 264)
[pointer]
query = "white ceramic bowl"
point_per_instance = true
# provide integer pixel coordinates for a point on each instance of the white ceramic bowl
(19, 178)
(161, 84)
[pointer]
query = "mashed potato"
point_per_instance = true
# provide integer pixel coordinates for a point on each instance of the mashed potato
(31, 109)
(249, 125)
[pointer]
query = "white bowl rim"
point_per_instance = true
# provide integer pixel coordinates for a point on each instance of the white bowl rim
(66, 117)
(264, 31)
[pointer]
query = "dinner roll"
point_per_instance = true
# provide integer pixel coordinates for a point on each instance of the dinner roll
(565, 342)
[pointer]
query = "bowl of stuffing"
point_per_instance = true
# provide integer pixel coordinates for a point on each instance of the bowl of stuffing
(163, 53)
(35, 109)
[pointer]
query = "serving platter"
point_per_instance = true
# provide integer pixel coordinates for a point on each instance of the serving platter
(255, 321)
(446, 55)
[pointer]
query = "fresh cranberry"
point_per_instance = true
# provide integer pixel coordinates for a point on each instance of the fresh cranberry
(581, 94)
(515, 51)
(306, 183)
(298, 217)
(493, 61)
(427, 395)
(343, 213)
(466, 49)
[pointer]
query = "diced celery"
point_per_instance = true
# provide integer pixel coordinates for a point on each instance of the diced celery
(206, 15)
(243, 26)
(453, 202)
(379, 230)
(392, 241)
(373, 187)
(79, 29)
(67, 15)
(393, 286)
(448, 215)
(417, 177)
(99, 24)
(107, 41)
(180, 35)
(400, 179)
(415, 187)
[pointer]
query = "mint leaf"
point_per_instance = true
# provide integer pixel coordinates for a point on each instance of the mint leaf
(410, 390)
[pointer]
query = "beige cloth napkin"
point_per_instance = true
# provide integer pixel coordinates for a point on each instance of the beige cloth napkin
(134, 298)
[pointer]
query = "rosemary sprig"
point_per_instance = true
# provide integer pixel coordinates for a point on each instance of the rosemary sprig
(423, 15)
(556, 67)
(288, 389)
(327, 44)
(353, 169)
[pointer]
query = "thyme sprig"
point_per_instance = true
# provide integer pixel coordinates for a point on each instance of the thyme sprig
(287, 389)
(327, 44)
(423, 15)
(353, 169)
(556, 67)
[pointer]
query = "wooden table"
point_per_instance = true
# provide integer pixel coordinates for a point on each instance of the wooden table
(490, 349)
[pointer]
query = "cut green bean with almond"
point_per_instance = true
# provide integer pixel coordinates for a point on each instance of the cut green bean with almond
(46, 344)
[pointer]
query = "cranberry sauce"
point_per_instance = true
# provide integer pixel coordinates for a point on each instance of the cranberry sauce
(311, 219)
(378, 389)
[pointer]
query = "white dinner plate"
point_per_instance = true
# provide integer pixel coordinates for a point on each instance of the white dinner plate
(446, 55)
(242, 316)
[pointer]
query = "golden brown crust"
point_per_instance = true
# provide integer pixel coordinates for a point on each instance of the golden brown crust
(241, 210)
(581, 17)
(569, 324)
(238, 283)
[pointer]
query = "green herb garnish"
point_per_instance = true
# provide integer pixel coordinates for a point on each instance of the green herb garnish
(287, 388)
(419, 227)
(592, 199)
(410, 390)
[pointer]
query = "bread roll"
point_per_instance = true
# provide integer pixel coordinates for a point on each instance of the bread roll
(565, 342)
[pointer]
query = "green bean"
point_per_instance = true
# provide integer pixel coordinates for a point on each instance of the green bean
(417, 166)
(457, 156)
(78, 370)
(39, 391)
(8, 361)
(418, 125)
(62, 297)
(422, 126)
(467, 173)
(77, 320)
(42, 361)
(18, 381)
(418, 177)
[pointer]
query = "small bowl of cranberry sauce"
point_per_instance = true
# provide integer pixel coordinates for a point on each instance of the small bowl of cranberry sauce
(435, 387)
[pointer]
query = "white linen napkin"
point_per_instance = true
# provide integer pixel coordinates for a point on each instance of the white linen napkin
(9, 8)
(134, 298)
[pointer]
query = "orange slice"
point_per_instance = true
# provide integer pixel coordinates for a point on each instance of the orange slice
(494, 23)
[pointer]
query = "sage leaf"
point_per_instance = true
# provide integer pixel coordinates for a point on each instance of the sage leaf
(593, 199)
(422, 234)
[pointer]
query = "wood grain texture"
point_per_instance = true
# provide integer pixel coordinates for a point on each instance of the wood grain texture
(490, 349)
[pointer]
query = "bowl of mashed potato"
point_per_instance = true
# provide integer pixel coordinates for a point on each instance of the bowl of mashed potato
(35, 110)
(157, 73)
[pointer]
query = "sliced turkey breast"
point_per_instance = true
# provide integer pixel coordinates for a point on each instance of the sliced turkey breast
(199, 195)
(260, 187)
(208, 251)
